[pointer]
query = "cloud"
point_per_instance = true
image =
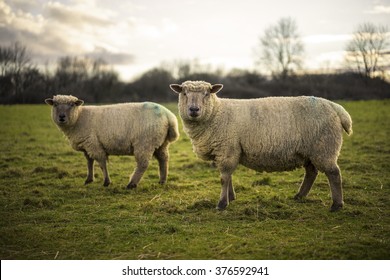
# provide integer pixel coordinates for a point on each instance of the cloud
(326, 38)
(5, 11)
(54, 30)
(24, 5)
(17, 25)
(78, 16)
(379, 9)
(144, 29)
(110, 57)
(118, 33)
(326, 60)
(18, 19)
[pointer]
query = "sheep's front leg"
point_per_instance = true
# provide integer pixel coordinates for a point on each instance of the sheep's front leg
(232, 193)
(227, 191)
(226, 166)
(103, 166)
(90, 174)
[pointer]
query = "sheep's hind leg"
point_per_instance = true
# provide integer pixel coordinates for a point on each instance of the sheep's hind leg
(162, 156)
(90, 174)
(310, 176)
(334, 178)
(142, 165)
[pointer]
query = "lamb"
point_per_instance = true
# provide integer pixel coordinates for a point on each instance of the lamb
(264, 134)
(139, 129)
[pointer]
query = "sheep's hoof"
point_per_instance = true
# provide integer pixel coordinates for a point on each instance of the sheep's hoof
(106, 183)
(162, 182)
(298, 197)
(88, 181)
(336, 206)
(131, 186)
(222, 205)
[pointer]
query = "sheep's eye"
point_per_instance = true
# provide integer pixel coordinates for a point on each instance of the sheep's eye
(206, 93)
(55, 104)
(185, 94)
(72, 104)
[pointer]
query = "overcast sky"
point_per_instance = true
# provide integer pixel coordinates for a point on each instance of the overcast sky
(136, 35)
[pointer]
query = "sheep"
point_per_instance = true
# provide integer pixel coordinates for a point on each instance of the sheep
(139, 129)
(265, 134)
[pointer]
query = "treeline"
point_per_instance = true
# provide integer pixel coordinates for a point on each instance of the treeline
(96, 82)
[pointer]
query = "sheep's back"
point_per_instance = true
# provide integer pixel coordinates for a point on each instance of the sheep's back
(121, 127)
(280, 133)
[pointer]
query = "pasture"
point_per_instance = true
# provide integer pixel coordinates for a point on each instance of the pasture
(47, 212)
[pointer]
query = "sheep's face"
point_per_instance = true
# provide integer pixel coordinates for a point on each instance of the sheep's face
(196, 99)
(65, 109)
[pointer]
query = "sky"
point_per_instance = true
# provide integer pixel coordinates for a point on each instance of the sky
(137, 35)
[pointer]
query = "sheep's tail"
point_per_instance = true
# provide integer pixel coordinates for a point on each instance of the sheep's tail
(345, 118)
(173, 128)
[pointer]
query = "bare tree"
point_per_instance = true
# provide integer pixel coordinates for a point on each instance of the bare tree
(5, 59)
(185, 68)
(14, 59)
(366, 52)
(15, 67)
(281, 48)
(84, 76)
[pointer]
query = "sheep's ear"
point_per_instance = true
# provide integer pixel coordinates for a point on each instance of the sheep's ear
(49, 101)
(176, 88)
(79, 102)
(216, 88)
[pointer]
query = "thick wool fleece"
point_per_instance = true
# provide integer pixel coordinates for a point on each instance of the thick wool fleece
(122, 129)
(265, 134)
(271, 134)
(139, 129)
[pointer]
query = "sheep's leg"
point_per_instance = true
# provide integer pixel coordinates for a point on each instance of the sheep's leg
(142, 165)
(334, 178)
(162, 156)
(232, 193)
(90, 175)
(310, 176)
(103, 166)
(227, 187)
(226, 166)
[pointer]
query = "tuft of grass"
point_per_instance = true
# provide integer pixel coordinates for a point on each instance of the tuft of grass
(204, 204)
(266, 181)
(48, 213)
(37, 203)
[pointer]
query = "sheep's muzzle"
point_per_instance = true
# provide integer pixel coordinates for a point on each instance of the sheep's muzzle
(194, 111)
(61, 118)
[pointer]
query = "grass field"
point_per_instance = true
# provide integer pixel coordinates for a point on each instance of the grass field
(47, 212)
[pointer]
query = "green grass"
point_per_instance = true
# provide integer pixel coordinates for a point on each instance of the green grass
(47, 212)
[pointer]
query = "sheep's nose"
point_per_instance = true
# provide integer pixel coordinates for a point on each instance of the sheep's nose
(194, 109)
(61, 117)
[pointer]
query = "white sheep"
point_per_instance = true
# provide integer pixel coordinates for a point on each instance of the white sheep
(139, 129)
(264, 134)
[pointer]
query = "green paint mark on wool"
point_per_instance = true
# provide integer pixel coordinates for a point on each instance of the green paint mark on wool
(157, 108)
(153, 106)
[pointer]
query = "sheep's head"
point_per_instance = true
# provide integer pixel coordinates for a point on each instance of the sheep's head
(196, 99)
(65, 109)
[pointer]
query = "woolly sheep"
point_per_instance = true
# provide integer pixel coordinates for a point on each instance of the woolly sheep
(139, 129)
(264, 134)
